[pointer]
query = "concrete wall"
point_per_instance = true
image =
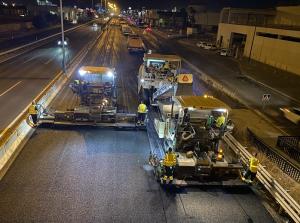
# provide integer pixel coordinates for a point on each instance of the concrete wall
(13, 27)
(277, 52)
(207, 18)
(226, 30)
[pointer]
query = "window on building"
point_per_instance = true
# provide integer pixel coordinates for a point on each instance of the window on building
(281, 37)
(290, 38)
(268, 35)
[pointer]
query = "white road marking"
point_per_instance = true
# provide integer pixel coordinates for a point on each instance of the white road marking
(9, 89)
(32, 58)
(48, 61)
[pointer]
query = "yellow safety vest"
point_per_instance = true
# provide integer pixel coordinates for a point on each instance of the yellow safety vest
(142, 108)
(170, 159)
(166, 66)
(253, 164)
(220, 121)
(32, 110)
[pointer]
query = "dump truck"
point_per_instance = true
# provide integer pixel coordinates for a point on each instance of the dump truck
(135, 44)
(156, 74)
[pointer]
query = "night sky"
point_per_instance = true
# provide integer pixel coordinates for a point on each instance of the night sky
(168, 4)
(212, 3)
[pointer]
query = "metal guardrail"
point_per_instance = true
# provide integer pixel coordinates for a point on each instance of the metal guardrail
(288, 204)
(283, 163)
(290, 145)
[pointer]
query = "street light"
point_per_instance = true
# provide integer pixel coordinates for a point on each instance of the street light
(62, 37)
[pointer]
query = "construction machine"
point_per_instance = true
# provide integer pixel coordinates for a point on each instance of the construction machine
(98, 102)
(191, 127)
(156, 75)
(96, 86)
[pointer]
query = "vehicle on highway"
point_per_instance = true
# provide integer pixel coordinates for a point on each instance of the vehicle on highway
(201, 44)
(210, 46)
(126, 30)
(66, 42)
(224, 52)
(292, 114)
(95, 25)
(135, 44)
(157, 71)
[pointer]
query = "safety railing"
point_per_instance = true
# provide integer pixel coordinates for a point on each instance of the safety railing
(286, 165)
(286, 202)
(290, 145)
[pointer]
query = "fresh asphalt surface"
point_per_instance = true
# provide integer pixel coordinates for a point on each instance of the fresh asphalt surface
(101, 175)
(23, 78)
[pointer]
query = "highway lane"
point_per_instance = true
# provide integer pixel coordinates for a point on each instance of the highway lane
(88, 174)
(26, 38)
(23, 77)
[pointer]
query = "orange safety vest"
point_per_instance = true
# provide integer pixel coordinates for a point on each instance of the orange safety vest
(170, 159)
(253, 164)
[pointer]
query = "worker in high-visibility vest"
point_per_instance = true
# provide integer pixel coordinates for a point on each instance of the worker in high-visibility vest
(220, 121)
(166, 66)
(142, 111)
(252, 169)
(169, 163)
(33, 112)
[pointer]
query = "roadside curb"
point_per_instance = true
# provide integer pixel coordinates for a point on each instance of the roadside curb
(271, 88)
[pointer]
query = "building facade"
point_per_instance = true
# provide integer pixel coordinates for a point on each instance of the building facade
(166, 19)
(202, 18)
(271, 37)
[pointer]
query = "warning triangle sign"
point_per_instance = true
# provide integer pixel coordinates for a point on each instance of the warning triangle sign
(185, 78)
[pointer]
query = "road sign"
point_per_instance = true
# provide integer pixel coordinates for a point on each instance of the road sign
(185, 78)
(266, 97)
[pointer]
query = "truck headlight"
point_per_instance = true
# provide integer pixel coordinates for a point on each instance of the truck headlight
(82, 72)
(110, 74)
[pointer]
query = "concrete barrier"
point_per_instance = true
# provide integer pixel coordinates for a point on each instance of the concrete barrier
(13, 27)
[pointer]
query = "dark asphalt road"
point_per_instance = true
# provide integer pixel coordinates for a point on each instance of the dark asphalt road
(23, 77)
(101, 175)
